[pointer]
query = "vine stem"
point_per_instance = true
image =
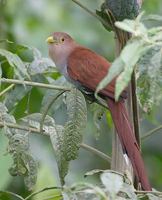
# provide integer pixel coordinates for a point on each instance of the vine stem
(35, 130)
(36, 84)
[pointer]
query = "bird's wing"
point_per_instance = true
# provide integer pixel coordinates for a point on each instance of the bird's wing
(89, 68)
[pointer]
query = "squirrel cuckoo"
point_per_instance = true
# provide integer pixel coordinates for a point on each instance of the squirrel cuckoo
(84, 68)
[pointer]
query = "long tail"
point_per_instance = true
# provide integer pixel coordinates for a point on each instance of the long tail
(128, 141)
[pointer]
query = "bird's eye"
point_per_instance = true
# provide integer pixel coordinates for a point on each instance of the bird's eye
(62, 39)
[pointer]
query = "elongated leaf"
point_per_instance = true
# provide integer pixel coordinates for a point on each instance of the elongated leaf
(23, 163)
(77, 118)
(130, 56)
(115, 69)
(57, 139)
(16, 63)
(131, 27)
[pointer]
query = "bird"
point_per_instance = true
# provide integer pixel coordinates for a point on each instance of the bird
(85, 69)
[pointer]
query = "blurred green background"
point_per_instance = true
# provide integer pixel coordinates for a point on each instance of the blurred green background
(30, 22)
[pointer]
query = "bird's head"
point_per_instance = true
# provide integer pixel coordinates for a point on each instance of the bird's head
(60, 46)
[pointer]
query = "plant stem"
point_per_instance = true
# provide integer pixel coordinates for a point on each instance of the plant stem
(7, 89)
(35, 130)
(91, 13)
(96, 152)
(47, 109)
(35, 84)
(148, 134)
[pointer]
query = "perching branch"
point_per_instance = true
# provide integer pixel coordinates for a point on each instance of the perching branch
(150, 133)
(91, 13)
(47, 109)
(35, 130)
(96, 152)
(35, 84)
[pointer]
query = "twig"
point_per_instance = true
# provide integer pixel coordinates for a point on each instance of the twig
(35, 130)
(148, 192)
(150, 133)
(96, 152)
(47, 109)
(42, 190)
(7, 89)
(35, 84)
(91, 13)
(20, 127)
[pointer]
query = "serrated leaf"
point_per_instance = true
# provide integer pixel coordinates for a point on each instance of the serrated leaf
(77, 119)
(15, 62)
(113, 182)
(57, 137)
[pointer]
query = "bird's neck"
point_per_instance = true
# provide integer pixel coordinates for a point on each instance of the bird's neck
(60, 56)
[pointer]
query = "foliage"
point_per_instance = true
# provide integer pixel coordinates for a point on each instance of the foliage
(33, 110)
(143, 50)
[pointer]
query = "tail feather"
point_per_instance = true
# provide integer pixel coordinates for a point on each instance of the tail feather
(128, 141)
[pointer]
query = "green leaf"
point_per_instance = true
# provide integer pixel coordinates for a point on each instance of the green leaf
(6, 195)
(57, 140)
(115, 69)
(132, 26)
(113, 182)
(14, 96)
(77, 119)
(15, 62)
(130, 56)
(149, 80)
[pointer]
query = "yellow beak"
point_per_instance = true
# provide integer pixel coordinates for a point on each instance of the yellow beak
(50, 40)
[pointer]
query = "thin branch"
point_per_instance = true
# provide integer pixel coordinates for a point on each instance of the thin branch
(91, 13)
(96, 152)
(47, 109)
(150, 133)
(6, 89)
(42, 190)
(35, 84)
(148, 192)
(35, 130)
